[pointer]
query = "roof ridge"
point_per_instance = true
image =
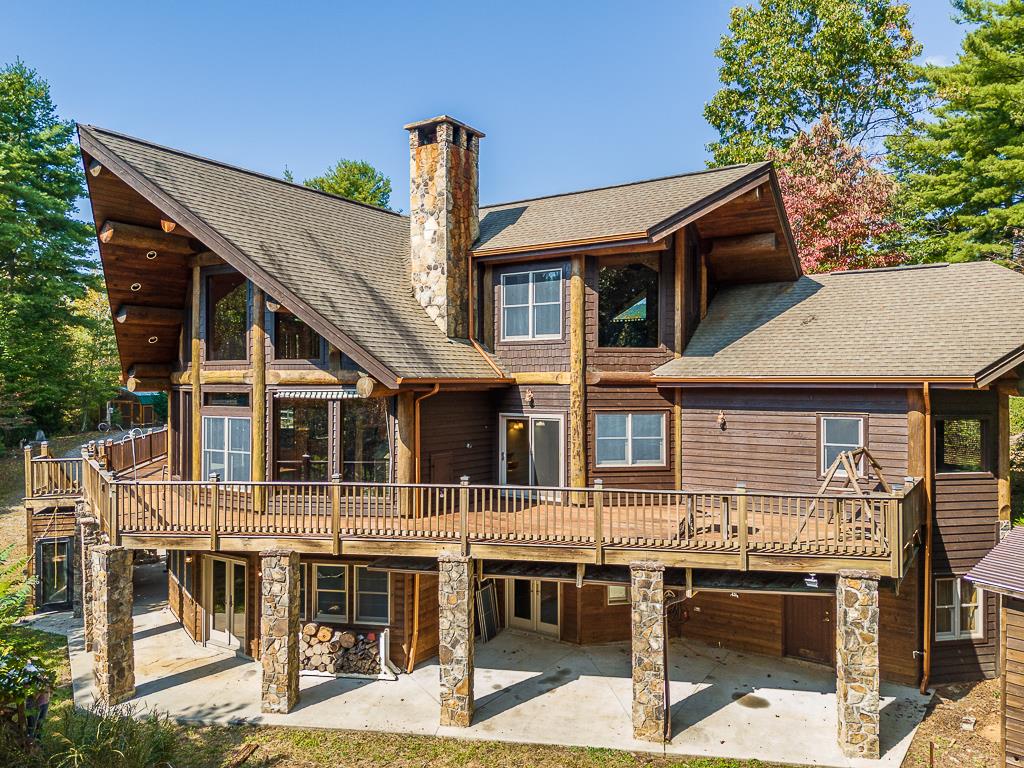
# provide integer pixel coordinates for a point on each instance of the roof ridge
(240, 169)
(626, 184)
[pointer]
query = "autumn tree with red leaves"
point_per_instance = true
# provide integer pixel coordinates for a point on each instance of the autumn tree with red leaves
(840, 204)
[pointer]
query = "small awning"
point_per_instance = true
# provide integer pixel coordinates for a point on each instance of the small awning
(326, 393)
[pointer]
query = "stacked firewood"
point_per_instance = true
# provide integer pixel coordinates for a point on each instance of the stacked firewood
(323, 648)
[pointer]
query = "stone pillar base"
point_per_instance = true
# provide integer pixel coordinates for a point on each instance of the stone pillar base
(114, 650)
(279, 630)
(650, 652)
(455, 648)
(857, 677)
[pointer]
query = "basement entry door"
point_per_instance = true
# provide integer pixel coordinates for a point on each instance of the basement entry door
(810, 629)
(533, 605)
(225, 614)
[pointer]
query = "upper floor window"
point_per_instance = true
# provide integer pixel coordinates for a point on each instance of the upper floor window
(293, 339)
(531, 305)
(630, 439)
(839, 434)
(958, 614)
(227, 319)
(960, 445)
(627, 304)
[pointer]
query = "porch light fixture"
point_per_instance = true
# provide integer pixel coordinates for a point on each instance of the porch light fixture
(721, 420)
(811, 580)
(136, 286)
(150, 255)
(153, 339)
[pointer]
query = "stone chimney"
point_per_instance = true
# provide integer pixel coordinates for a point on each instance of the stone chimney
(444, 217)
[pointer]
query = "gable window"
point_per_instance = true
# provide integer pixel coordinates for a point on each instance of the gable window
(227, 319)
(627, 304)
(331, 593)
(630, 439)
(960, 445)
(839, 434)
(958, 614)
(531, 305)
(293, 339)
(371, 596)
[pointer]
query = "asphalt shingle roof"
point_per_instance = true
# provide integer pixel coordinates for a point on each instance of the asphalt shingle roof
(941, 320)
(602, 214)
(349, 262)
(1002, 569)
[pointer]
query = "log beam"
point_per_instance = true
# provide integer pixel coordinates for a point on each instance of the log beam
(134, 384)
(95, 168)
(167, 225)
(139, 313)
(149, 371)
(762, 242)
(148, 238)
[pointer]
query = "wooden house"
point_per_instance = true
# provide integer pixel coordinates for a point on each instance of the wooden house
(616, 397)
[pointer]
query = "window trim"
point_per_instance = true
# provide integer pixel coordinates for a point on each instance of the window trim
(355, 599)
(956, 635)
(629, 463)
(624, 600)
(270, 322)
(327, 618)
(626, 259)
(862, 418)
(205, 317)
(531, 304)
(987, 457)
(241, 414)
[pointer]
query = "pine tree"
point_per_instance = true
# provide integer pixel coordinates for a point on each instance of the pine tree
(963, 167)
(355, 179)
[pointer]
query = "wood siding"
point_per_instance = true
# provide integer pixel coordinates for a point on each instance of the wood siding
(459, 437)
(1013, 684)
(750, 622)
(185, 605)
(52, 523)
(900, 634)
(532, 355)
(631, 399)
(770, 438)
(587, 619)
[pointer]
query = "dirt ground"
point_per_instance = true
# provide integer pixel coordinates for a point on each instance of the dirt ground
(945, 727)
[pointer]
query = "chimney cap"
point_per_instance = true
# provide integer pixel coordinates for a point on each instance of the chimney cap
(443, 119)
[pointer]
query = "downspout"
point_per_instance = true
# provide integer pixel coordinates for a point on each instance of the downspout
(929, 469)
(417, 477)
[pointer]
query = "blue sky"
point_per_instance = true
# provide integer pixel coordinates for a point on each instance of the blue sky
(570, 94)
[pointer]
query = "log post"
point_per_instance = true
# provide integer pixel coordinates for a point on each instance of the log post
(258, 335)
(577, 380)
(1003, 391)
(197, 394)
(405, 452)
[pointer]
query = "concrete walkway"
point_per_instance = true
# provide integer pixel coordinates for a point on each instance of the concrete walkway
(724, 704)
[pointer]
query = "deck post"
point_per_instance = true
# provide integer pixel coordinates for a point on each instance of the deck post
(650, 652)
(44, 449)
(336, 513)
(279, 630)
(113, 644)
(741, 523)
(214, 498)
(464, 514)
(857, 676)
(27, 453)
(455, 639)
(599, 521)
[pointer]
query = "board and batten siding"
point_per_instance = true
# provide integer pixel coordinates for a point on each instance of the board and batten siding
(1013, 683)
(770, 438)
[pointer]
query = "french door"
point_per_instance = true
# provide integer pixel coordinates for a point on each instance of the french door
(227, 448)
(531, 450)
(225, 614)
(533, 605)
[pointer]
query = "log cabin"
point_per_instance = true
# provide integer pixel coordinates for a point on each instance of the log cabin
(615, 414)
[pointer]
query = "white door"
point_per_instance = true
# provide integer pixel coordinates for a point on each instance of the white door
(531, 450)
(227, 447)
(225, 612)
(533, 605)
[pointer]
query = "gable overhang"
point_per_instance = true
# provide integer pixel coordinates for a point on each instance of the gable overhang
(231, 254)
(813, 381)
(1001, 367)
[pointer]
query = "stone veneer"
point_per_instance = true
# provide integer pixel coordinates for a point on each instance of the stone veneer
(857, 663)
(87, 536)
(650, 653)
(444, 219)
(279, 630)
(113, 646)
(455, 647)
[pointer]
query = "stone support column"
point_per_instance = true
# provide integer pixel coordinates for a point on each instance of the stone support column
(650, 652)
(89, 537)
(279, 630)
(113, 646)
(455, 649)
(857, 677)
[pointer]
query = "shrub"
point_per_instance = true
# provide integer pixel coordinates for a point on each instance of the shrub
(14, 587)
(106, 738)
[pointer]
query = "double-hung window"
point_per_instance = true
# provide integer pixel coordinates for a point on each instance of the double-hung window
(331, 585)
(617, 594)
(630, 439)
(371, 596)
(839, 434)
(531, 305)
(958, 610)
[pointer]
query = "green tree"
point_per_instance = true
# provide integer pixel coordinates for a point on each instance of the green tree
(44, 250)
(354, 179)
(963, 166)
(785, 63)
(94, 368)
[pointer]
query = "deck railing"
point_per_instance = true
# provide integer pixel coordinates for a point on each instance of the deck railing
(134, 450)
(49, 476)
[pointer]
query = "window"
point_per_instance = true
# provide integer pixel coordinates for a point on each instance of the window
(293, 339)
(303, 591)
(958, 610)
(229, 399)
(302, 434)
(331, 593)
(630, 439)
(627, 304)
(371, 596)
(531, 305)
(618, 595)
(838, 434)
(227, 318)
(54, 573)
(960, 445)
(226, 447)
(366, 449)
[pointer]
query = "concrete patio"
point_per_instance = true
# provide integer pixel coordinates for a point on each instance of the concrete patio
(532, 690)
